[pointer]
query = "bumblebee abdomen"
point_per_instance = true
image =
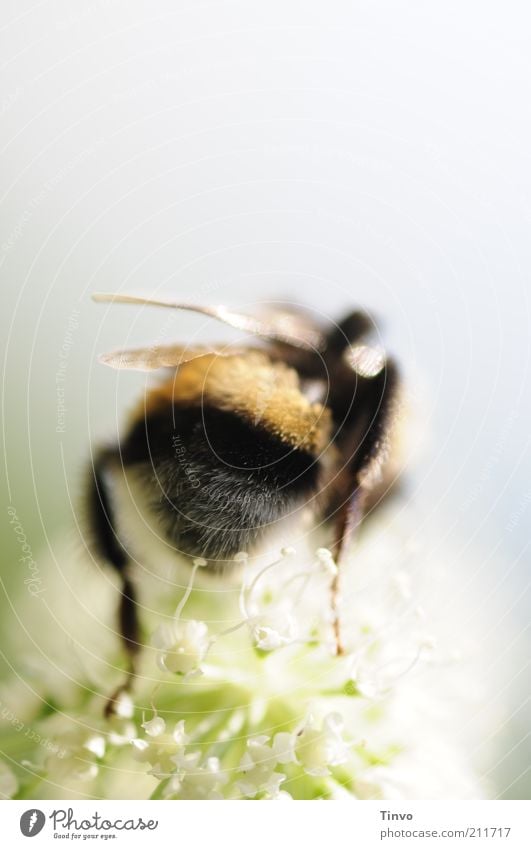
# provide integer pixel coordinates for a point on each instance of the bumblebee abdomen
(217, 481)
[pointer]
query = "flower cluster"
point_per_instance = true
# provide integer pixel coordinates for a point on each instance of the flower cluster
(186, 773)
(242, 695)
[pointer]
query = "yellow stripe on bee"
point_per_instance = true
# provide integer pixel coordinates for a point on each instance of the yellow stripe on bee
(265, 393)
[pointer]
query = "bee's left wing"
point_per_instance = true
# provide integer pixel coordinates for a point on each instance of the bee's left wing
(291, 327)
(162, 356)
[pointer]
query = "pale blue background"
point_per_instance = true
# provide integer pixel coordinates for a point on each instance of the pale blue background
(341, 153)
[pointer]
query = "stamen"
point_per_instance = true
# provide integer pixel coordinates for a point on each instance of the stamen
(245, 595)
(198, 562)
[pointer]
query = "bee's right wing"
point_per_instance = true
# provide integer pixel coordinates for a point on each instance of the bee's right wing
(291, 327)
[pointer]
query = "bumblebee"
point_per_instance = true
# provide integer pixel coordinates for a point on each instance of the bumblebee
(235, 438)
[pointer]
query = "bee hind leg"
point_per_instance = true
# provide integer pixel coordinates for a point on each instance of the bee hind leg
(129, 633)
(107, 545)
(364, 482)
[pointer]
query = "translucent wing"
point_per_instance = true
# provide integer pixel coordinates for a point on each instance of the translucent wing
(161, 356)
(285, 326)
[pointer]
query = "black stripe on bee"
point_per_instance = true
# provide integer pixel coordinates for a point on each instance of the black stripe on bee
(216, 481)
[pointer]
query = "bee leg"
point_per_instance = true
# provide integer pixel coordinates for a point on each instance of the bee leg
(348, 521)
(109, 547)
(129, 633)
(363, 472)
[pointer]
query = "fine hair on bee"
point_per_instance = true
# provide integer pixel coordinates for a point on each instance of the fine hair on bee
(236, 437)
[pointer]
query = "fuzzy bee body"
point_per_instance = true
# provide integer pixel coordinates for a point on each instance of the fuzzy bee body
(227, 446)
(236, 439)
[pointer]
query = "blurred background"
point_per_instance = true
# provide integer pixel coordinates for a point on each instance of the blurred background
(365, 153)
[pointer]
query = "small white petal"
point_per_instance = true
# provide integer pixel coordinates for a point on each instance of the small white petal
(154, 727)
(283, 747)
(96, 745)
(124, 706)
(179, 734)
(327, 561)
(267, 639)
(141, 749)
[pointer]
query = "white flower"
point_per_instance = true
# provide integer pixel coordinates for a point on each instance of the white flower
(123, 706)
(267, 639)
(8, 781)
(96, 745)
(183, 646)
(162, 751)
(197, 781)
(317, 749)
(258, 768)
(154, 727)
(274, 630)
